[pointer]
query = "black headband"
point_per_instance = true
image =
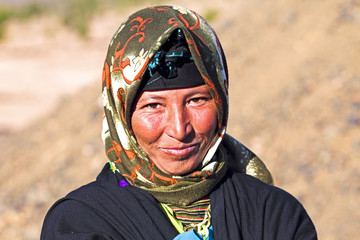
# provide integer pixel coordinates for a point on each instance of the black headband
(172, 66)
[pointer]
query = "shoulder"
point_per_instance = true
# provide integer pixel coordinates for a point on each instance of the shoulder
(68, 218)
(97, 197)
(252, 189)
(104, 209)
(84, 210)
(266, 208)
(86, 213)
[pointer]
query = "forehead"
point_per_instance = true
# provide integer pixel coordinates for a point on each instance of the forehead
(171, 93)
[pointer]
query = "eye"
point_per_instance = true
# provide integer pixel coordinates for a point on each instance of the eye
(152, 105)
(198, 100)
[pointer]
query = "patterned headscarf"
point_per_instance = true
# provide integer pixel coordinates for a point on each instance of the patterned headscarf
(132, 47)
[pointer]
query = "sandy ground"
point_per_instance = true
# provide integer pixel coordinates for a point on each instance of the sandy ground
(41, 62)
(294, 97)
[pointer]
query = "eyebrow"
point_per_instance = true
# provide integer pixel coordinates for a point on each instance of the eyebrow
(151, 97)
(157, 95)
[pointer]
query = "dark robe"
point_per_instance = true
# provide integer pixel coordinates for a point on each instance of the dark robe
(242, 207)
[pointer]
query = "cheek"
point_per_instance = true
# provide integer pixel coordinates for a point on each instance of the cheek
(146, 127)
(206, 121)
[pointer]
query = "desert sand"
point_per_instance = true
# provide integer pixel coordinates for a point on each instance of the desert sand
(294, 100)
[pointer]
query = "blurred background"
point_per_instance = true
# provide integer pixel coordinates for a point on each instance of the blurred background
(294, 100)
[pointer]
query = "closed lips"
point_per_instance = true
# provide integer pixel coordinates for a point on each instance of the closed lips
(180, 151)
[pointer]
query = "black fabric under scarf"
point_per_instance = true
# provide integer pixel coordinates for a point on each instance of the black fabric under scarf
(172, 66)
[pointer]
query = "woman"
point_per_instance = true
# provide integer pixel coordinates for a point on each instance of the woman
(173, 172)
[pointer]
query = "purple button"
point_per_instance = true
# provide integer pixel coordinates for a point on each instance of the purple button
(123, 183)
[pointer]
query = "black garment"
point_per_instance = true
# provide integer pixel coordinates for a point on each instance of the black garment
(242, 208)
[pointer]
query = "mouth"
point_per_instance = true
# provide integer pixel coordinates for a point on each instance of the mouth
(181, 151)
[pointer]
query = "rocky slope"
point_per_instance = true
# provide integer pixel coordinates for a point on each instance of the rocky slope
(294, 97)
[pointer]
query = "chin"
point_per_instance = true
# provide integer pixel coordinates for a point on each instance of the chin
(181, 169)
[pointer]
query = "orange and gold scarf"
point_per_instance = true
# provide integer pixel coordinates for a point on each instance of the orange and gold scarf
(132, 46)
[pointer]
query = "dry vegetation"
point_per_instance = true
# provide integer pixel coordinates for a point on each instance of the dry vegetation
(294, 97)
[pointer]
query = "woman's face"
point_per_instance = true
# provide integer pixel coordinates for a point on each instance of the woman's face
(176, 127)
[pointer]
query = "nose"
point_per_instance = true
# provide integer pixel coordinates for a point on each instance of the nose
(178, 123)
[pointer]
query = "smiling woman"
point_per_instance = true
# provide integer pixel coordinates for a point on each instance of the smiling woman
(176, 127)
(173, 172)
